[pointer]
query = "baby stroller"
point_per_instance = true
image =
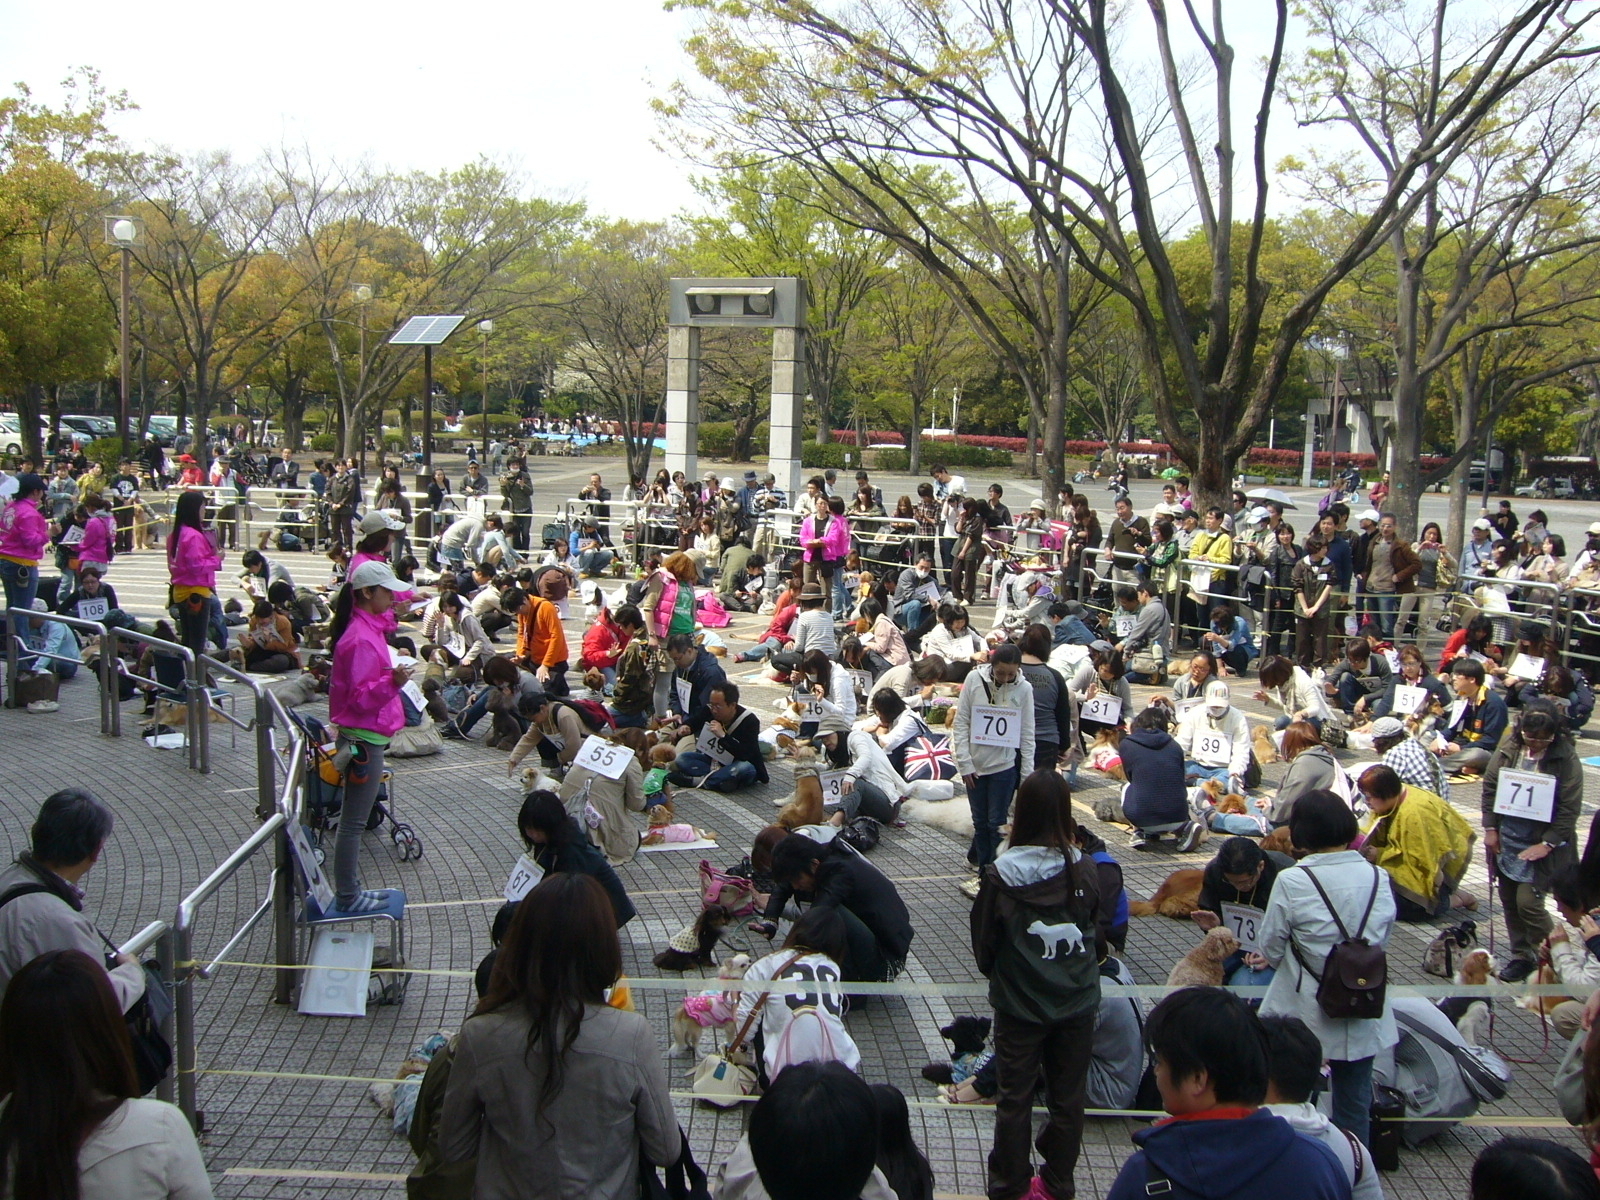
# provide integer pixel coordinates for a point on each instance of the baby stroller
(324, 794)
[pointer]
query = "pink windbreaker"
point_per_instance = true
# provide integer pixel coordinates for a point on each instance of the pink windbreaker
(362, 693)
(192, 559)
(23, 532)
(835, 539)
(96, 545)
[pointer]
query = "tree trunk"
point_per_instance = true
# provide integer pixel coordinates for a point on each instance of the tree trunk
(914, 435)
(52, 408)
(1055, 440)
(744, 430)
(1032, 439)
(1211, 476)
(294, 416)
(1455, 528)
(29, 406)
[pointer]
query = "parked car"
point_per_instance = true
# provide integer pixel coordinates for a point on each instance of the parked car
(164, 429)
(11, 434)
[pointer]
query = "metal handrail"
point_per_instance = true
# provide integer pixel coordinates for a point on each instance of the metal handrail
(192, 698)
(144, 939)
(108, 701)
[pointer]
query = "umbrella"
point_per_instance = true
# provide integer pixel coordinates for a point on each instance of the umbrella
(1273, 494)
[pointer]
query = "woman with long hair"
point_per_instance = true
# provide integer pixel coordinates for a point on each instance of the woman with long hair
(1436, 573)
(364, 704)
(1038, 934)
(904, 1165)
(556, 842)
(971, 531)
(194, 555)
(555, 1092)
(73, 1126)
(668, 607)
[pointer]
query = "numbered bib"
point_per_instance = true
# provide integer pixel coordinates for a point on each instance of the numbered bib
(1209, 744)
(1527, 794)
(1182, 706)
(93, 610)
(316, 882)
(1105, 709)
(810, 706)
(1392, 657)
(1409, 700)
(600, 756)
(832, 788)
(862, 681)
(1245, 922)
(683, 694)
(995, 725)
(1123, 625)
(711, 746)
(525, 876)
(1524, 667)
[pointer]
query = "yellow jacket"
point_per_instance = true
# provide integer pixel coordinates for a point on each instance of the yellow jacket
(1423, 844)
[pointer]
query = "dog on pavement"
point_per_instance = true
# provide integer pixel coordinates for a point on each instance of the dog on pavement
(714, 1008)
(1178, 896)
(1202, 966)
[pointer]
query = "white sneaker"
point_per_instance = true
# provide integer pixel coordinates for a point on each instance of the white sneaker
(1189, 836)
(969, 888)
(1137, 840)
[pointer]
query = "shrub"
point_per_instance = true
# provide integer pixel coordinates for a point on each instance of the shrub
(324, 441)
(105, 451)
(952, 454)
(1322, 459)
(716, 438)
(831, 455)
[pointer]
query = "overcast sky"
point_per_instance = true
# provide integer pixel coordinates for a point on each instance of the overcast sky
(559, 90)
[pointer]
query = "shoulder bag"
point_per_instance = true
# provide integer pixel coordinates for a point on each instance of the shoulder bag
(720, 1081)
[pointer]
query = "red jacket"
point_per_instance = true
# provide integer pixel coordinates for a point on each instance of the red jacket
(781, 620)
(603, 644)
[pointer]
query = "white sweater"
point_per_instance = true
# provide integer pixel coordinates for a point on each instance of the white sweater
(144, 1150)
(779, 1010)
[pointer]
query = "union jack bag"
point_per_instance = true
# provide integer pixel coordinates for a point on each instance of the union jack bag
(928, 757)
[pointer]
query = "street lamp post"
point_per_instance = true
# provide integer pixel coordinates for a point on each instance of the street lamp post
(124, 233)
(485, 328)
(363, 295)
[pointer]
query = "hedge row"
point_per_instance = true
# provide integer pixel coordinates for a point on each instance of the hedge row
(958, 454)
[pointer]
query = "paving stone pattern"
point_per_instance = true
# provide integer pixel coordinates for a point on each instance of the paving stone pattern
(174, 826)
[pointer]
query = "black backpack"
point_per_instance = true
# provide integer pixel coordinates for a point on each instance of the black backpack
(1355, 975)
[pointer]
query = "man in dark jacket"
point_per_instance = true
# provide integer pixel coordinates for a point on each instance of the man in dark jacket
(1235, 887)
(727, 754)
(877, 925)
(1211, 1069)
(516, 488)
(697, 673)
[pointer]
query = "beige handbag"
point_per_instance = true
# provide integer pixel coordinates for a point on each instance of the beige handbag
(718, 1079)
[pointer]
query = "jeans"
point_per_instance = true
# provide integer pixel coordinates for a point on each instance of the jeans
(867, 799)
(912, 614)
(1244, 976)
(990, 799)
(630, 720)
(592, 562)
(1193, 772)
(1352, 1096)
(759, 651)
(361, 781)
(1527, 922)
(1024, 1052)
(692, 764)
(21, 583)
(1385, 606)
(841, 597)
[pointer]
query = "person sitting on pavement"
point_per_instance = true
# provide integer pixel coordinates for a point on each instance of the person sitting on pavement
(1407, 757)
(557, 841)
(744, 588)
(1200, 670)
(1229, 640)
(541, 641)
(633, 690)
(916, 597)
(1155, 797)
(727, 752)
(48, 646)
(871, 786)
(1574, 947)
(1294, 1076)
(41, 902)
(779, 633)
(813, 628)
(1065, 618)
(590, 549)
(1240, 875)
(1476, 720)
(1101, 675)
(1413, 672)
(1423, 843)
(1148, 637)
(1359, 679)
(915, 682)
(94, 600)
(696, 672)
(877, 924)
(1211, 1070)
(1311, 767)
(1289, 689)
(1215, 739)
(954, 640)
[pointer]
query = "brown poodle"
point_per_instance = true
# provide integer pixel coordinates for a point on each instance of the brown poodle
(1202, 966)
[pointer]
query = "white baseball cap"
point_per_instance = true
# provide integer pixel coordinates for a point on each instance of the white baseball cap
(1370, 515)
(377, 521)
(1480, 523)
(1218, 696)
(377, 574)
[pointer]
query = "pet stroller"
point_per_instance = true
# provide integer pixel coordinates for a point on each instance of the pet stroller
(324, 794)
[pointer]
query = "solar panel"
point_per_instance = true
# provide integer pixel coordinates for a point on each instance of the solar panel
(426, 331)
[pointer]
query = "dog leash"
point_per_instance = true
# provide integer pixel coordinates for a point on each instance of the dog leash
(1544, 1019)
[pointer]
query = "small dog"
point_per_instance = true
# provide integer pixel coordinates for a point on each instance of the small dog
(968, 1036)
(1544, 1005)
(1178, 896)
(1266, 749)
(535, 780)
(1280, 841)
(695, 943)
(711, 1009)
(1202, 966)
(1105, 754)
(805, 807)
(594, 685)
(1471, 1015)
(1231, 803)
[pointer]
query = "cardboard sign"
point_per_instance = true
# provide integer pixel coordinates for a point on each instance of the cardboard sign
(862, 681)
(1458, 710)
(683, 687)
(832, 788)
(94, 610)
(602, 757)
(316, 882)
(1103, 708)
(1527, 794)
(996, 725)
(1245, 922)
(1409, 700)
(810, 706)
(928, 591)
(1392, 657)
(1124, 624)
(525, 876)
(1182, 706)
(1527, 668)
(710, 745)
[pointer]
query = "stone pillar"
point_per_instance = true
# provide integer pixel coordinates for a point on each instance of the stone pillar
(788, 396)
(683, 400)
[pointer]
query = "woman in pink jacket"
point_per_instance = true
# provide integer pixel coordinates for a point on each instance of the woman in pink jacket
(193, 558)
(825, 539)
(23, 534)
(364, 703)
(98, 533)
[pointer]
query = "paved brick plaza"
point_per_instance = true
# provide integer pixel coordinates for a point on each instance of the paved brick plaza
(271, 1136)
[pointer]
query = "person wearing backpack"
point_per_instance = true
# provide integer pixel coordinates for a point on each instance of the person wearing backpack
(1038, 934)
(1326, 925)
(555, 728)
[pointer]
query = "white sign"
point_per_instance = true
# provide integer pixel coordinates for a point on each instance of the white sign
(316, 882)
(603, 757)
(928, 592)
(810, 705)
(1245, 923)
(72, 536)
(93, 610)
(1124, 624)
(709, 744)
(1182, 706)
(1103, 708)
(1458, 710)
(1528, 794)
(1524, 667)
(833, 787)
(1409, 700)
(683, 694)
(862, 680)
(1209, 743)
(996, 725)
(525, 876)
(1392, 657)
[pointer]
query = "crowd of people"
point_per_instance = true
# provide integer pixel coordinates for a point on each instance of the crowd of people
(890, 689)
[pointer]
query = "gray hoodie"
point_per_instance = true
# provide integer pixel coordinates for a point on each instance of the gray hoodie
(1311, 1123)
